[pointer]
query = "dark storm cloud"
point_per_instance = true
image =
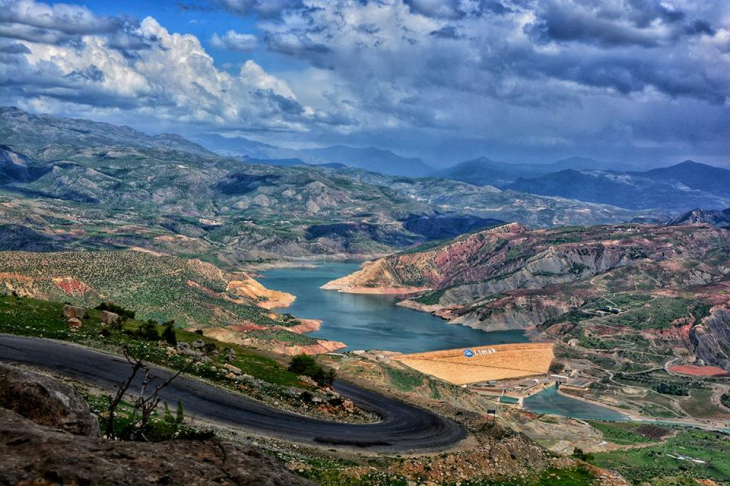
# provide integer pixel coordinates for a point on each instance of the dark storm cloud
(644, 23)
(447, 32)
(456, 9)
(13, 48)
(92, 73)
(58, 24)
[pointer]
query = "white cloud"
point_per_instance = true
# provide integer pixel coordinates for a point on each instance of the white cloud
(172, 79)
(234, 41)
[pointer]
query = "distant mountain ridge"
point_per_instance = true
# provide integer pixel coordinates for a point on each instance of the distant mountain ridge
(678, 188)
(65, 134)
(372, 159)
(483, 171)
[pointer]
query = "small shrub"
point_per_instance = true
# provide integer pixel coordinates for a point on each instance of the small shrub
(303, 364)
(168, 333)
(148, 331)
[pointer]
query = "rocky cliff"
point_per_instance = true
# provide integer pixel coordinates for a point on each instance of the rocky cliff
(711, 338)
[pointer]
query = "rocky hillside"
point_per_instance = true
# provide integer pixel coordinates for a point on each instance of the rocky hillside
(78, 183)
(716, 218)
(49, 436)
(511, 278)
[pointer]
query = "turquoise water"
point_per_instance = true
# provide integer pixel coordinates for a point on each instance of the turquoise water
(550, 401)
(371, 321)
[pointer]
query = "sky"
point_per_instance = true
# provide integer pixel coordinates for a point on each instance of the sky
(631, 81)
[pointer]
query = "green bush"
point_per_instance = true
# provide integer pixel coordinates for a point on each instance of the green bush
(148, 331)
(303, 364)
(168, 333)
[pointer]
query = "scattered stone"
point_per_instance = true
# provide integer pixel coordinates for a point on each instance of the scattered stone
(74, 324)
(198, 344)
(184, 348)
(307, 380)
(109, 317)
(233, 369)
(73, 312)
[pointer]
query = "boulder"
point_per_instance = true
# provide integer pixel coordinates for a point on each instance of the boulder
(184, 348)
(233, 369)
(73, 312)
(109, 317)
(45, 401)
(74, 324)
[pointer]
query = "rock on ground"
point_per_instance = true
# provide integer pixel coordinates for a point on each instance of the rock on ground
(45, 401)
(48, 436)
(36, 454)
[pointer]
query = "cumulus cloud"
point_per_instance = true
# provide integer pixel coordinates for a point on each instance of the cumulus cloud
(171, 79)
(506, 68)
(234, 41)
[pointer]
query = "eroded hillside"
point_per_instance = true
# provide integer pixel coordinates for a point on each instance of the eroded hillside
(665, 281)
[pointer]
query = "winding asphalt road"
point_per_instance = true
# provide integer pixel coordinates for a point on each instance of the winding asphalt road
(403, 428)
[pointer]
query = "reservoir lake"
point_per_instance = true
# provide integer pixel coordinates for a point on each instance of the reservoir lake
(371, 321)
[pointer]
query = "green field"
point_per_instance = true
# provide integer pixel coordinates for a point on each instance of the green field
(650, 464)
(630, 433)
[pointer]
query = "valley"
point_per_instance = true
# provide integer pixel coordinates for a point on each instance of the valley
(386, 280)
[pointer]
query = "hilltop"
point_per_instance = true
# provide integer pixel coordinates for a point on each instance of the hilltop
(716, 218)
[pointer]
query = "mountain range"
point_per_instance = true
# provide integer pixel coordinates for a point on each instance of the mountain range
(677, 188)
(483, 171)
(674, 189)
(76, 183)
(370, 158)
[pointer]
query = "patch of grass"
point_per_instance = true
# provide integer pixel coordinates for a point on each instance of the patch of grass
(673, 458)
(334, 473)
(699, 405)
(622, 433)
(402, 379)
(37, 318)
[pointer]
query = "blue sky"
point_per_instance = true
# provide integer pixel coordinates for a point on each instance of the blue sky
(636, 81)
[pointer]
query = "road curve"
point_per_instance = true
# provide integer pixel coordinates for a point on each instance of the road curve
(403, 428)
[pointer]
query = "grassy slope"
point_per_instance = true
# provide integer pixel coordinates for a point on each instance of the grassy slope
(652, 463)
(38, 318)
(156, 287)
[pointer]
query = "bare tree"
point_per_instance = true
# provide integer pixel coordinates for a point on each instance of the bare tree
(144, 405)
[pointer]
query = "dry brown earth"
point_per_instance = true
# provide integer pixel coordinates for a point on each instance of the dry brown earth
(488, 363)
